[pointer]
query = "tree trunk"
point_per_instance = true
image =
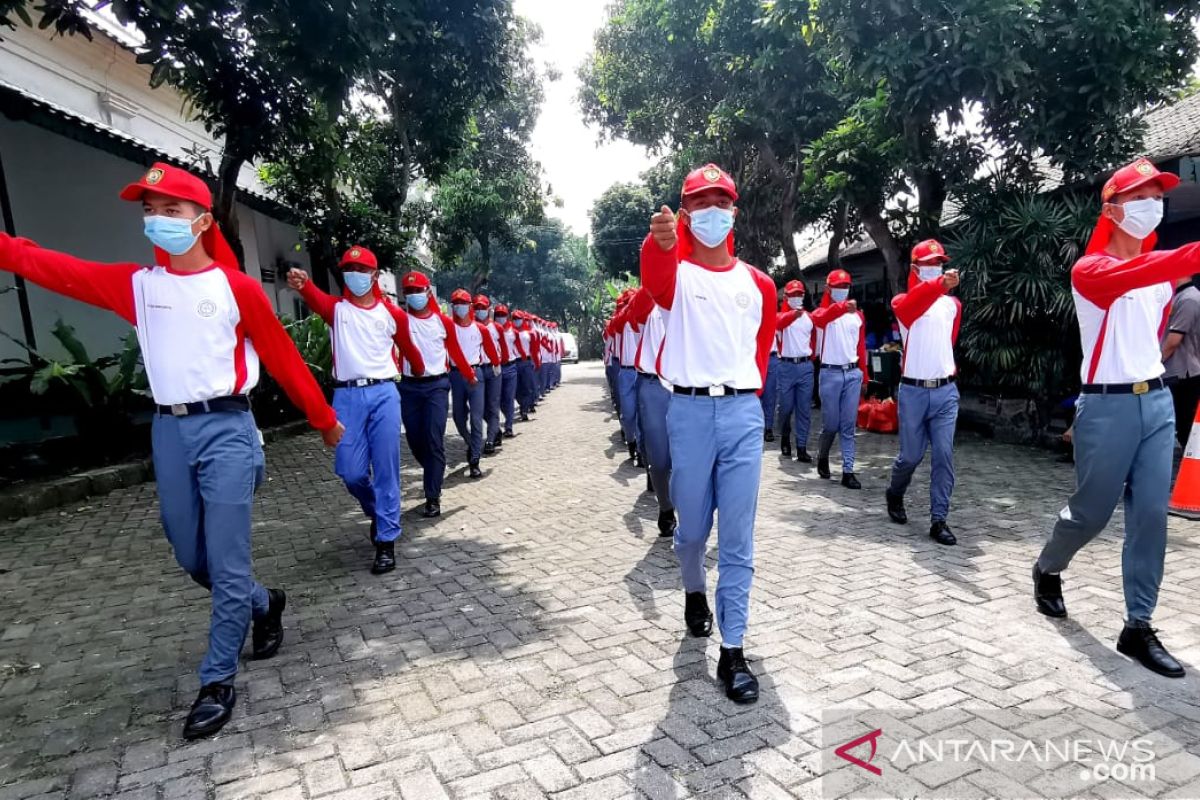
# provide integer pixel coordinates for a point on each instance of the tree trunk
(931, 199)
(895, 272)
(480, 278)
(841, 214)
(402, 172)
(225, 203)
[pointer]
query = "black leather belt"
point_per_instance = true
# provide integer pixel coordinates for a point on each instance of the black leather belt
(360, 382)
(236, 402)
(643, 374)
(841, 367)
(628, 367)
(422, 378)
(932, 383)
(712, 391)
(1141, 387)
(511, 361)
(796, 359)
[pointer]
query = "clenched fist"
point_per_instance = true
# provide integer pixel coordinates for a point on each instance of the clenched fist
(950, 279)
(332, 436)
(296, 278)
(662, 228)
(852, 306)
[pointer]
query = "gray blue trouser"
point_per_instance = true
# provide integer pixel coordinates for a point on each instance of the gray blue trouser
(423, 405)
(653, 400)
(770, 395)
(367, 458)
(795, 398)
(611, 371)
(467, 411)
(508, 394)
(927, 418)
(493, 386)
(716, 461)
(840, 392)
(526, 385)
(207, 468)
(1123, 448)
(627, 389)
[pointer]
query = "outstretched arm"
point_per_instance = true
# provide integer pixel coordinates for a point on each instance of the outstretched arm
(107, 286)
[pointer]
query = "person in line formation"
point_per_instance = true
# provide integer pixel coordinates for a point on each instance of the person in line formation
(1125, 418)
(207, 450)
(364, 330)
(843, 355)
(493, 379)
(928, 397)
(628, 335)
(468, 396)
(509, 377)
(526, 344)
(719, 325)
(424, 398)
(797, 341)
(612, 362)
(770, 394)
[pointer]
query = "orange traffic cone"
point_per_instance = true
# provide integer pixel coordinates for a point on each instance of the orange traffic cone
(1185, 498)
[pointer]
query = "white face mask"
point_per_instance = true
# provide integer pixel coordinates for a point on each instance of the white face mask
(795, 302)
(929, 273)
(839, 295)
(1141, 217)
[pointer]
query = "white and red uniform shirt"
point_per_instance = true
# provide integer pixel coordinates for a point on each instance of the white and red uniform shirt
(202, 334)
(1123, 307)
(797, 333)
(929, 322)
(363, 338)
(499, 341)
(510, 341)
(721, 321)
(652, 338)
(475, 343)
(631, 336)
(434, 337)
(844, 336)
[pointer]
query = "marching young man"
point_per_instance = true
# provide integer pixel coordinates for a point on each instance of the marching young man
(363, 329)
(928, 403)
(719, 327)
(469, 398)
(797, 336)
(509, 377)
(424, 397)
(203, 327)
(843, 355)
(1124, 420)
(530, 355)
(493, 378)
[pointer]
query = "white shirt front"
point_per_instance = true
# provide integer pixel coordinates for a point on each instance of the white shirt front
(470, 339)
(797, 337)
(190, 333)
(652, 337)
(711, 335)
(929, 343)
(840, 345)
(363, 342)
(1122, 344)
(510, 338)
(429, 335)
(629, 345)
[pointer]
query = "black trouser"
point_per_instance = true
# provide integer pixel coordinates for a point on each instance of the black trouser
(1185, 392)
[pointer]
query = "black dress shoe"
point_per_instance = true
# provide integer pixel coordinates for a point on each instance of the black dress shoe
(524, 417)
(823, 467)
(768, 435)
(666, 523)
(696, 614)
(509, 435)
(385, 558)
(373, 532)
(632, 447)
(433, 508)
(476, 472)
(785, 448)
(212, 709)
(1142, 644)
(267, 631)
(1047, 593)
(499, 443)
(638, 461)
(649, 482)
(802, 455)
(850, 481)
(895, 507)
(940, 533)
(740, 684)
(489, 449)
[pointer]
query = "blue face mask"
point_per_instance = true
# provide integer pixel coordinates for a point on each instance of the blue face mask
(460, 309)
(481, 316)
(711, 225)
(839, 295)
(795, 303)
(928, 273)
(501, 320)
(417, 302)
(359, 283)
(171, 233)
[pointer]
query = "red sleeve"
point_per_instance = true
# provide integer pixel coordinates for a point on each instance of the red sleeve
(910, 306)
(456, 353)
(659, 268)
(823, 316)
(489, 346)
(505, 356)
(403, 340)
(534, 350)
(957, 321)
(862, 347)
(640, 307)
(520, 347)
(277, 352)
(320, 302)
(785, 318)
(107, 286)
(766, 327)
(1101, 279)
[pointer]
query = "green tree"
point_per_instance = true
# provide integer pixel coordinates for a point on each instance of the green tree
(620, 219)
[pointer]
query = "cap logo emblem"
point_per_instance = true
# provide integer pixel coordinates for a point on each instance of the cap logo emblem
(712, 174)
(154, 176)
(355, 253)
(934, 248)
(1144, 167)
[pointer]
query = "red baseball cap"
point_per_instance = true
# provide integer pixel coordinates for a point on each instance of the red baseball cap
(415, 280)
(929, 251)
(460, 296)
(180, 184)
(839, 277)
(793, 287)
(502, 310)
(1126, 179)
(359, 255)
(482, 302)
(710, 176)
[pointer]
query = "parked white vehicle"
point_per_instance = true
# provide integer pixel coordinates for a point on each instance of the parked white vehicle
(570, 348)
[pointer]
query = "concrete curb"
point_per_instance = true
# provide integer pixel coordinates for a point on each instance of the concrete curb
(34, 498)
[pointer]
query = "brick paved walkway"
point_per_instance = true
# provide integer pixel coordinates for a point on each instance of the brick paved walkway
(530, 643)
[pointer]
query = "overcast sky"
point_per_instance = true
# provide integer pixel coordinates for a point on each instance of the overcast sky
(577, 166)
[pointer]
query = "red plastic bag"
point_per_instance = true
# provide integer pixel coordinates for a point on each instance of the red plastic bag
(864, 412)
(884, 417)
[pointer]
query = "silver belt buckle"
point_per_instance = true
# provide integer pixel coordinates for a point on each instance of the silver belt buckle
(930, 384)
(179, 409)
(716, 391)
